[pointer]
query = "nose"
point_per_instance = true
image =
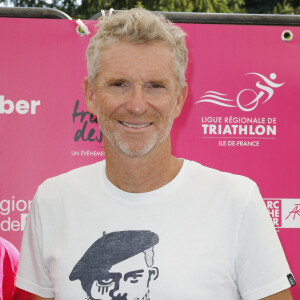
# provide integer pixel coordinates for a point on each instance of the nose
(120, 291)
(136, 102)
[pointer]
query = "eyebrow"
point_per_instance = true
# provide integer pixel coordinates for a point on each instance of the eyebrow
(123, 79)
(159, 81)
(115, 79)
(137, 273)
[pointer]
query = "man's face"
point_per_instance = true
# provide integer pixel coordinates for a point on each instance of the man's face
(127, 280)
(135, 96)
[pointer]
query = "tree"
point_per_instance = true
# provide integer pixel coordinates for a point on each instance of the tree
(287, 7)
(272, 6)
(68, 6)
(90, 7)
(260, 6)
(217, 6)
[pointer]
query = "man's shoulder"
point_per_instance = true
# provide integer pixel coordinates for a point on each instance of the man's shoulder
(79, 177)
(221, 188)
(217, 179)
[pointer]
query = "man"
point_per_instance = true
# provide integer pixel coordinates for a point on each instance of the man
(216, 240)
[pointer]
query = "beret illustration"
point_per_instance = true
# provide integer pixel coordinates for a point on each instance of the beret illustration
(111, 249)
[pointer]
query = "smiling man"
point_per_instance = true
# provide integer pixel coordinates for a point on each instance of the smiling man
(216, 239)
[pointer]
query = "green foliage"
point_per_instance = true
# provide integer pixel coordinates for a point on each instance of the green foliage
(236, 6)
(68, 6)
(272, 6)
(217, 6)
(90, 7)
(286, 8)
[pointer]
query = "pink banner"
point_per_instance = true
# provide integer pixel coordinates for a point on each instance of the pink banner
(241, 115)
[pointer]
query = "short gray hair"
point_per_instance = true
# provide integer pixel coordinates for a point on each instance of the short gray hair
(138, 26)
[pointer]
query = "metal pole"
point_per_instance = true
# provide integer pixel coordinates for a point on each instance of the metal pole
(32, 12)
(230, 18)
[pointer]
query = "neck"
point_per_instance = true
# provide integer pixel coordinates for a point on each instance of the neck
(142, 174)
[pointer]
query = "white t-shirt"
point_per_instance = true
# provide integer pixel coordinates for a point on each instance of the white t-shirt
(205, 235)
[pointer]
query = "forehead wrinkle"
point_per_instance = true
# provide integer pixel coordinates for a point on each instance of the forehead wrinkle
(135, 56)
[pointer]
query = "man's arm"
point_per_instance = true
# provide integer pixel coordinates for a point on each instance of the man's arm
(23, 295)
(284, 295)
(35, 297)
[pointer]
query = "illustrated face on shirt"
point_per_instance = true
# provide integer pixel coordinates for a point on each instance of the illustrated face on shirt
(127, 280)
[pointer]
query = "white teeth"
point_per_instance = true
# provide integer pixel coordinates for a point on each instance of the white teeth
(135, 126)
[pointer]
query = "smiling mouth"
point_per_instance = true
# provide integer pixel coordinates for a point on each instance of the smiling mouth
(136, 125)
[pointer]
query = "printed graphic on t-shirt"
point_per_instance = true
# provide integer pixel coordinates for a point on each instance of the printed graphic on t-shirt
(118, 266)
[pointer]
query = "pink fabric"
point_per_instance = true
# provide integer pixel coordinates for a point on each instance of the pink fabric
(9, 257)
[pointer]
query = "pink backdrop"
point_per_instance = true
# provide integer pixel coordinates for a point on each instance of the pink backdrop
(241, 115)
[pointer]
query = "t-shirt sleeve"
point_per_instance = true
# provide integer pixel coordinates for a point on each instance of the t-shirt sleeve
(262, 268)
(33, 274)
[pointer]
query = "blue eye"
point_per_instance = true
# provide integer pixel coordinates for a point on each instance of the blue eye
(119, 84)
(156, 85)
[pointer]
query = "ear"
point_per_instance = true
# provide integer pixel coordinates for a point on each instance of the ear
(182, 94)
(89, 94)
(153, 273)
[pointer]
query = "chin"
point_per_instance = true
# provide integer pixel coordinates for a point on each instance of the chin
(135, 152)
(136, 148)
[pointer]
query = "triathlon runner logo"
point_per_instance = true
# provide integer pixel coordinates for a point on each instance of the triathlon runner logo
(247, 99)
(118, 266)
